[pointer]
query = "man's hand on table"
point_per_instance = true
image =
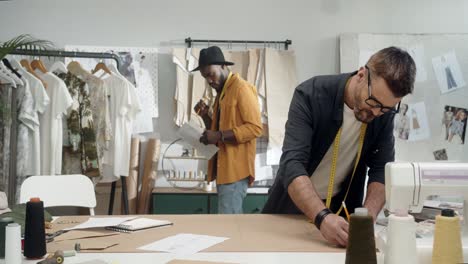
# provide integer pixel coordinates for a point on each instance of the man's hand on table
(334, 228)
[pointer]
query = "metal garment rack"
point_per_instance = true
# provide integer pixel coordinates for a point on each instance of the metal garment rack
(189, 41)
(76, 54)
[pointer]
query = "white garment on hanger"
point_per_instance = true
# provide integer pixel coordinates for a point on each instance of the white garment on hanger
(4, 78)
(144, 93)
(58, 66)
(7, 78)
(27, 122)
(144, 119)
(10, 74)
(122, 110)
(51, 124)
(41, 100)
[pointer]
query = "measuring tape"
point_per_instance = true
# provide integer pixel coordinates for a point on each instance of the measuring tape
(336, 147)
(224, 87)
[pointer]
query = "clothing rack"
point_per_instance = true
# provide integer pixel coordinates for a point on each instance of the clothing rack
(189, 41)
(68, 54)
(76, 54)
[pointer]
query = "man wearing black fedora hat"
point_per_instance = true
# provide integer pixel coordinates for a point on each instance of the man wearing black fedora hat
(234, 127)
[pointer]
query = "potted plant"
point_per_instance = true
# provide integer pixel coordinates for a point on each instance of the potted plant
(24, 41)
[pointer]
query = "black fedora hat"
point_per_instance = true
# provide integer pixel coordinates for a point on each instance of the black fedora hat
(211, 56)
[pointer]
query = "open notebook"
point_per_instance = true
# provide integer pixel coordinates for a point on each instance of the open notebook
(138, 224)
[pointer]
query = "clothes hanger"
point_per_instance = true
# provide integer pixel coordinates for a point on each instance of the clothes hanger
(7, 79)
(10, 74)
(75, 68)
(101, 66)
(27, 67)
(4, 79)
(59, 67)
(114, 69)
(8, 65)
(37, 64)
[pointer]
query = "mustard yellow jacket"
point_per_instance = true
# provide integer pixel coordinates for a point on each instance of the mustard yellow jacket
(239, 112)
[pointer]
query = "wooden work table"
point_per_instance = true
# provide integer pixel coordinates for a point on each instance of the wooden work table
(252, 239)
(246, 233)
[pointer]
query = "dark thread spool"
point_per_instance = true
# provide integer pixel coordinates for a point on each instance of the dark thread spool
(361, 242)
(34, 233)
(3, 223)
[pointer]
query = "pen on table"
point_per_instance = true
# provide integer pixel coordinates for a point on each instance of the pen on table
(345, 209)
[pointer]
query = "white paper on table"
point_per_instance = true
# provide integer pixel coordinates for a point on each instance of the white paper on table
(184, 244)
(101, 222)
(191, 132)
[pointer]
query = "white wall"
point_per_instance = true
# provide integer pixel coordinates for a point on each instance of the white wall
(313, 26)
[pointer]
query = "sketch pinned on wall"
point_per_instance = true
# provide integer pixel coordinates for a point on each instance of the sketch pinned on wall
(448, 72)
(446, 120)
(440, 154)
(417, 53)
(454, 124)
(402, 123)
(419, 126)
(127, 68)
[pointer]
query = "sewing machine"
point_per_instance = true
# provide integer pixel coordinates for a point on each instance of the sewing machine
(408, 184)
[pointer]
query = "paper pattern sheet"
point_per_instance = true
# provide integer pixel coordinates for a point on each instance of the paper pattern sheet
(191, 133)
(281, 81)
(184, 244)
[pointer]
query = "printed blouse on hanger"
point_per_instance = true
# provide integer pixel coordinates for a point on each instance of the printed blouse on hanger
(100, 111)
(6, 123)
(80, 149)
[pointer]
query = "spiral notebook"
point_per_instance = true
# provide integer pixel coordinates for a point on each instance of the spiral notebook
(138, 224)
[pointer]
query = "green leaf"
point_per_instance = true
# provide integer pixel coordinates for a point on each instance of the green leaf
(26, 42)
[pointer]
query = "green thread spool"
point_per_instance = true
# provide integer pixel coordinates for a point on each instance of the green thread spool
(361, 241)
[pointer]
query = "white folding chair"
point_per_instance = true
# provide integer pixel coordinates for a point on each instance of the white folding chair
(60, 190)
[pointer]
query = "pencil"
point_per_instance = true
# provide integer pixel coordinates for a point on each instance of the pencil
(345, 210)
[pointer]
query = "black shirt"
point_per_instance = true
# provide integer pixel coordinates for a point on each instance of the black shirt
(315, 115)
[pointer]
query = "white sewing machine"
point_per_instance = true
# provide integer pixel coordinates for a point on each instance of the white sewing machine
(408, 184)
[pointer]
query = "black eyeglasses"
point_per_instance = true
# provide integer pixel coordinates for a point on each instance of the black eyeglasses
(374, 103)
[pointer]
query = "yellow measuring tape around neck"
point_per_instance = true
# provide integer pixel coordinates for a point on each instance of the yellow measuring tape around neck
(224, 86)
(336, 147)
